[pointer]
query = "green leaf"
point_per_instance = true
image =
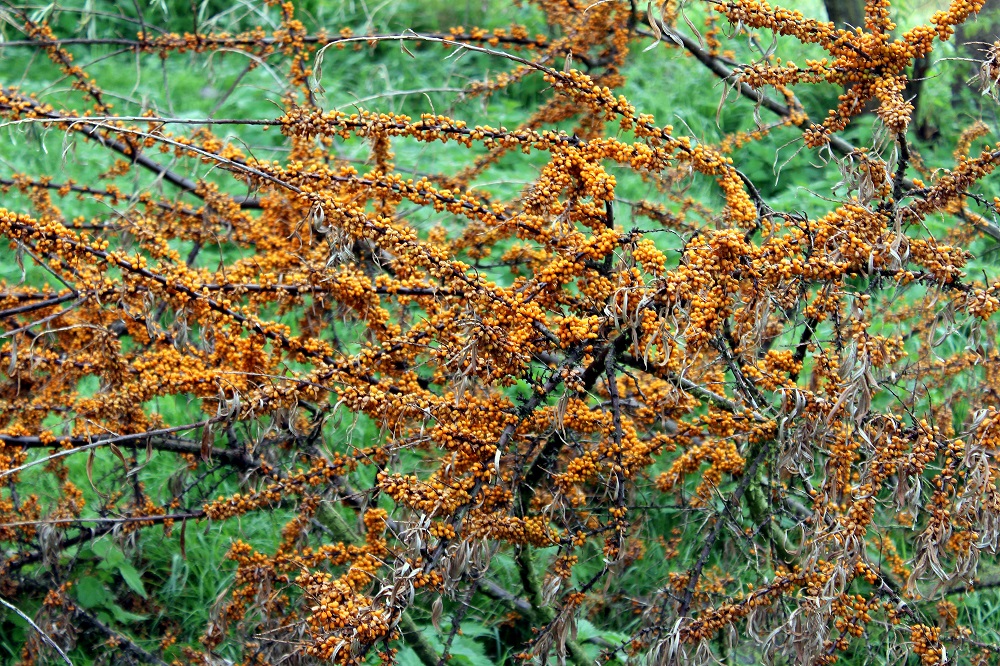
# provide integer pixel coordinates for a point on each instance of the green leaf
(110, 554)
(132, 578)
(91, 592)
(113, 559)
(407, 657)
(476, 630)
(124, 616)
(466, 650)
(585, 631)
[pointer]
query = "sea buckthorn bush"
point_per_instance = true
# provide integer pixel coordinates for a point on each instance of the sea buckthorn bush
(586, 332)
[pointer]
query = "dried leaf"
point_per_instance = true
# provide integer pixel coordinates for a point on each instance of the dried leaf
(118, 452)
(13, 357)
(90, 470)
(654, 26)
(436, 609)
(206, 443)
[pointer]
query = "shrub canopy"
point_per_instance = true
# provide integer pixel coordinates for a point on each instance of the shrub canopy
(490, 361)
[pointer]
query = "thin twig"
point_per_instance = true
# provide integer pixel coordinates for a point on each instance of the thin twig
(45, 637)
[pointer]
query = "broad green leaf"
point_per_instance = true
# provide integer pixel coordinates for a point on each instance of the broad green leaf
(111, 556)
(125, 616)
(469, 651)
(132, 578)
(91, 592)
